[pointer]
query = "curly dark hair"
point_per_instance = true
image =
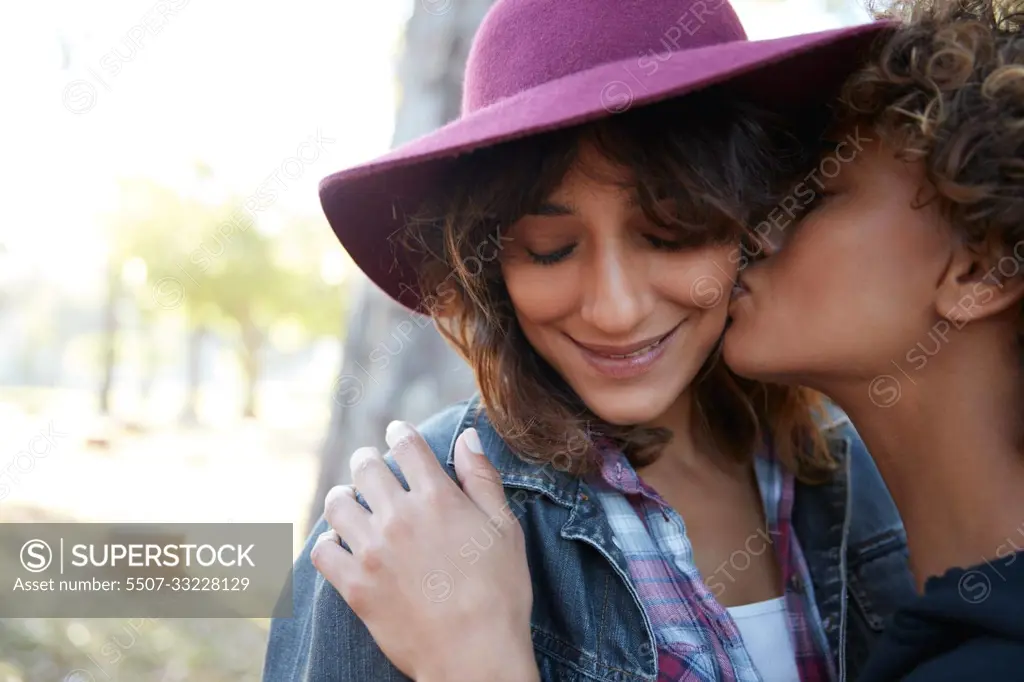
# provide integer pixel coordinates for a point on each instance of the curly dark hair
(722, 163)
(946, 88)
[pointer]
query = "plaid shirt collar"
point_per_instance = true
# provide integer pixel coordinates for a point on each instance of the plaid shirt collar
(696, 637)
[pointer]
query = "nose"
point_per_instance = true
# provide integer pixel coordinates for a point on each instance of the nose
(619, 295)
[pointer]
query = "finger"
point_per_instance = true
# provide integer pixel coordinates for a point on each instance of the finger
(346, 517)
(415, 458)
(331, 560)
(375, 480)
(479, 479)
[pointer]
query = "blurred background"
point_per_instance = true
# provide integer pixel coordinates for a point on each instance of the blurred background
(181, 337)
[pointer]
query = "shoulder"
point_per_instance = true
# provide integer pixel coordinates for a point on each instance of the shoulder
(857, 468)
(858, 500)
(442, 428)
(871, 505)
(323, 640)
(854, 509)
(441, 431)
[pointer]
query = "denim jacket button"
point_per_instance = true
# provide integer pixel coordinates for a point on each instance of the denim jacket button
(828, 623)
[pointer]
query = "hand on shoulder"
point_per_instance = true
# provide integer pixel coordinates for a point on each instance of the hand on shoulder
(438, 574)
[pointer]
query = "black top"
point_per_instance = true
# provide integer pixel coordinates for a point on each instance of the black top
(968, 625)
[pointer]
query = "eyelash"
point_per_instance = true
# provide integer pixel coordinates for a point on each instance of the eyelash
(663, 244)
(563, 253)
(553, 257)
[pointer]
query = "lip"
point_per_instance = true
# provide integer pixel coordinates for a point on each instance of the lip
(740, 289)
(608, 361)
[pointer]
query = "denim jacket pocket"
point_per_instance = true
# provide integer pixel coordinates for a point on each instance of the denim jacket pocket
(560, 661)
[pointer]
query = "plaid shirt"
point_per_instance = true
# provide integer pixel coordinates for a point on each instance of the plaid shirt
(697, 639)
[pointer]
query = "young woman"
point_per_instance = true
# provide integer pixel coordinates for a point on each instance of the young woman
(916, 252)
(899, 294)
(668, 518)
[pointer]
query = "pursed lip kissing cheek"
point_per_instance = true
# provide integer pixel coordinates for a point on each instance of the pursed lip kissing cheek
(739, 290)
(626, 362)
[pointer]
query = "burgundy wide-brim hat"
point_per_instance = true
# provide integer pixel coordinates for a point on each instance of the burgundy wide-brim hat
(540, 65)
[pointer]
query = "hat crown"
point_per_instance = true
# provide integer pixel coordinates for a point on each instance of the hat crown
(525, 43)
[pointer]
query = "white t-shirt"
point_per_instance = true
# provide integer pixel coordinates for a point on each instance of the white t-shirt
(764, 627)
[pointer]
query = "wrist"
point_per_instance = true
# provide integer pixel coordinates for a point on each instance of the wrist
(521, 670)
(495, 673)
(503, 664)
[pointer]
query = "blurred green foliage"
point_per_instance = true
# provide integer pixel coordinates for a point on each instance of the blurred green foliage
(227, 268)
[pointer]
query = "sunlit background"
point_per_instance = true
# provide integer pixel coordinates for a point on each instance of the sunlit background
(174, 309)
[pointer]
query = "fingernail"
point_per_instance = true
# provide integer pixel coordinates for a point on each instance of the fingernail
(473, 441)
(396, 431)
(360, 455)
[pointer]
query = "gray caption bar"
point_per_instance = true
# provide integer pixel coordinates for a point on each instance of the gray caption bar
(177, 570)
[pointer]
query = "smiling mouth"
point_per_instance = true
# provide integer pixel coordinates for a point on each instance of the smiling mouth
(627, 361)
(631, 350)
(640, 351)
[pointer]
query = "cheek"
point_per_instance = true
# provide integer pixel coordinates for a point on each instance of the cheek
(803, 280)
(700, 279)
(880, 269)
(540, 294)
(860, 289)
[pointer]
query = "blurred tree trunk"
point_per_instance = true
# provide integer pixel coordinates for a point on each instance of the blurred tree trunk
(150, 357)
(413, 373)
(252, 363)
(190, 412)
(110, 337)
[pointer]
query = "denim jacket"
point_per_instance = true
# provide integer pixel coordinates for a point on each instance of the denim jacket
(587, 623)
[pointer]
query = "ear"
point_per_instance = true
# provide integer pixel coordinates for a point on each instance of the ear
(979, 282)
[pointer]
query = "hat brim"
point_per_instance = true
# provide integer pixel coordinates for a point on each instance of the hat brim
(367, 204)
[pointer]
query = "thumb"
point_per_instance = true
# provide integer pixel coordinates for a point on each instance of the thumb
(478, 477)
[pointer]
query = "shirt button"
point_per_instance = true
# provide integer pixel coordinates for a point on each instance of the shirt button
(796, 583)
(828, 623)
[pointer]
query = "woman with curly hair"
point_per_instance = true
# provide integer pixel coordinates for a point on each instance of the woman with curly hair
(899, 295)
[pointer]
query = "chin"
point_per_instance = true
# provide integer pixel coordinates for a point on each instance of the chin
(744, 355)
(624, 409)
(756, 361)
(626, 417)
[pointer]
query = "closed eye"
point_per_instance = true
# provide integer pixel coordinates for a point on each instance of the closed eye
(663, 244)
(551, 257)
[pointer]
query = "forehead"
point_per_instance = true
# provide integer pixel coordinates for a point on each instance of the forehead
(593, 170)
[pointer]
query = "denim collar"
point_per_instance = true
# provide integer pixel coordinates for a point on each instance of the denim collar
(560, 486)
(516, 472)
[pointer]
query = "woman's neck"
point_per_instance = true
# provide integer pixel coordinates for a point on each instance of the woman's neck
(950, 450)
(688, 450)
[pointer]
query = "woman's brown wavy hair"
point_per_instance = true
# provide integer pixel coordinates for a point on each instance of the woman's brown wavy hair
(724, 163)
(947, 89)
